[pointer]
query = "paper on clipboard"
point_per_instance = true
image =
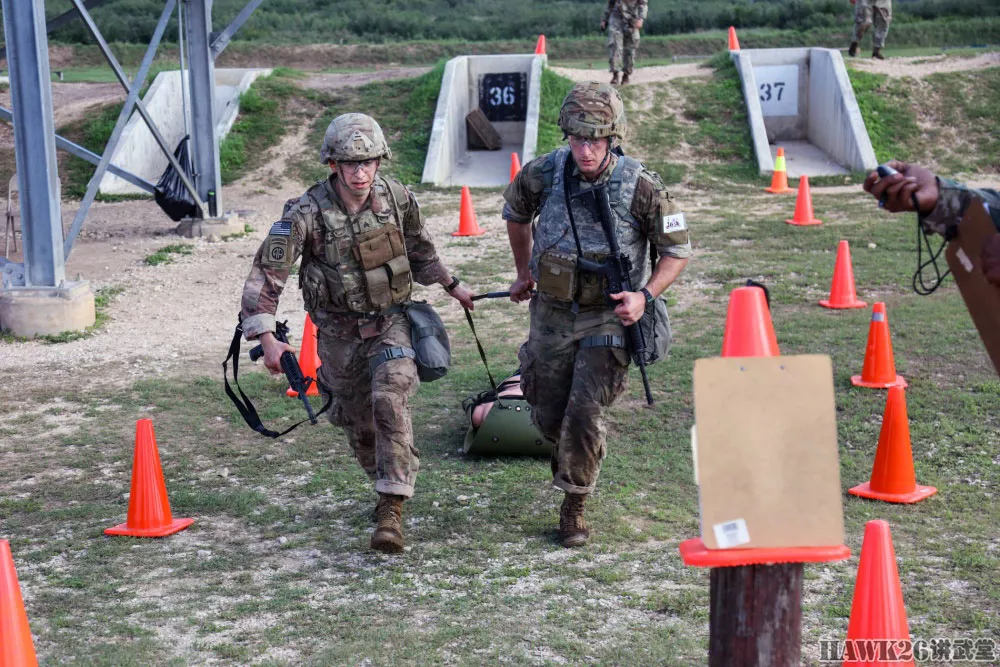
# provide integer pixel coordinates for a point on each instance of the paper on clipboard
(964, 258)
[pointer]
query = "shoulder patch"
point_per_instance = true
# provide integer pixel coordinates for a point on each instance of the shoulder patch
(281, 228)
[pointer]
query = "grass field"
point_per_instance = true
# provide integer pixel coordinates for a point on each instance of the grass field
(275, 570)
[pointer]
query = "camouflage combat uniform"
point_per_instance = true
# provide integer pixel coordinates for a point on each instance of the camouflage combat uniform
(867, 11)
(344, 289)
(574, 364)
(623, 36)
(953, 200)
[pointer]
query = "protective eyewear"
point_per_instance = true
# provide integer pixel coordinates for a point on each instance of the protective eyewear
(353, 167)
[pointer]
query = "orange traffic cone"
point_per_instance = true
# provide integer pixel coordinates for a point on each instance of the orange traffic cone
(877, 611)
(734, 44)
(467, 224)
(879, 370)
(515, 166)
(148, 506)
(779, 179)
(540, 46)
(893, 479)
(16, 647)
(842, 294)
(308, 359)
(749, 332)
(804, 206)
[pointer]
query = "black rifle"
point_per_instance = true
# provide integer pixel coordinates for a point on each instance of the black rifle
(616, 270)
(289, 364)
(296, 380)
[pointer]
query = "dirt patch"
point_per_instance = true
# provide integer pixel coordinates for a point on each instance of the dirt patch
(332, 82)
(641, 75)
(70, 101)
(920, 66)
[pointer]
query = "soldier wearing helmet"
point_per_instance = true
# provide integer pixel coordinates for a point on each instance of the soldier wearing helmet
(362, 241)
(575, 363)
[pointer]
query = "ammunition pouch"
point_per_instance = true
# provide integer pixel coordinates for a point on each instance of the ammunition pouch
(593, 288)
(557, 275)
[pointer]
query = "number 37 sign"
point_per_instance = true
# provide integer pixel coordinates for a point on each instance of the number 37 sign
(778, 89)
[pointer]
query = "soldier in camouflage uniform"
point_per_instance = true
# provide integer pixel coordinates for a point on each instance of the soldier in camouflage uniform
(574, 363)
(942, 205)
(623, 19)
(362, 241)
(864, 12)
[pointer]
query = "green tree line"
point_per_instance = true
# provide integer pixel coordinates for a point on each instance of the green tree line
(379, 21)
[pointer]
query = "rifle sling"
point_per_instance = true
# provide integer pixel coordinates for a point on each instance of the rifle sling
(246, 408)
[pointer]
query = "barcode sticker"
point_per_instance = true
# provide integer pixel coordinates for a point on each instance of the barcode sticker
(731, 534)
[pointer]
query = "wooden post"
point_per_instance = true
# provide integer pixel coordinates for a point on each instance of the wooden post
(755, 618)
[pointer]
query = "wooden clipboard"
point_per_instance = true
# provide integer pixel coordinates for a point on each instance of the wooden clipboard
(964, 258)
(766, 459)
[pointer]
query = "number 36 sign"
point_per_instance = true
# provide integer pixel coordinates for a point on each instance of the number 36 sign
(504, 96)
(778, 89)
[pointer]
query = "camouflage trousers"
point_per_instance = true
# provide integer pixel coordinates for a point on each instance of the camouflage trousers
(568, 386)
(374, 409)
(623, 40)
(864, 14)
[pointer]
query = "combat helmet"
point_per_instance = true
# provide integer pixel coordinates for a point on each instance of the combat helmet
(593, 110)
(353, 137)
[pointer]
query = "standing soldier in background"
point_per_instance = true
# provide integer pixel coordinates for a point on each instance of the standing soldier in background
(623, 19)
(575, 362)
(864, 12)
(362, 240)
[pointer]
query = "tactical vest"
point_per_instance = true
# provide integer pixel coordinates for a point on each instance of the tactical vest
(554, 250)
(357, 263)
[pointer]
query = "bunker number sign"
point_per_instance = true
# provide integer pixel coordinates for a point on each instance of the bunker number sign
(504, 96)
(778, 89)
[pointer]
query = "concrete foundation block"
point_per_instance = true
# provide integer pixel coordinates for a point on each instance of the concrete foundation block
(47, 311)
(210, 229)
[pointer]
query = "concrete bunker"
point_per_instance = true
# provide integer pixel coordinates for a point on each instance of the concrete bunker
(137, 150)
(802, 100)
(507, 88)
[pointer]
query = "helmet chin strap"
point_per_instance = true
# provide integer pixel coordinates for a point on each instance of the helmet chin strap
(607, 158)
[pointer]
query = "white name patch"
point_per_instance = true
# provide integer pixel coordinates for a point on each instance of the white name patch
(673, 223)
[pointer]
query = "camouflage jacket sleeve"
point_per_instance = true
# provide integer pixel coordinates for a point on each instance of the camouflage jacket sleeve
(953, 201)
(661, 217)
(523, 197)
(425, 264)
(272, 265)
(609, 9)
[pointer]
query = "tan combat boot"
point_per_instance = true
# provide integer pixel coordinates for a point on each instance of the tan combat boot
(853, 51)
(877, 53)
(614, 79)
(625, 79)
(388, 535)
(573, 531)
